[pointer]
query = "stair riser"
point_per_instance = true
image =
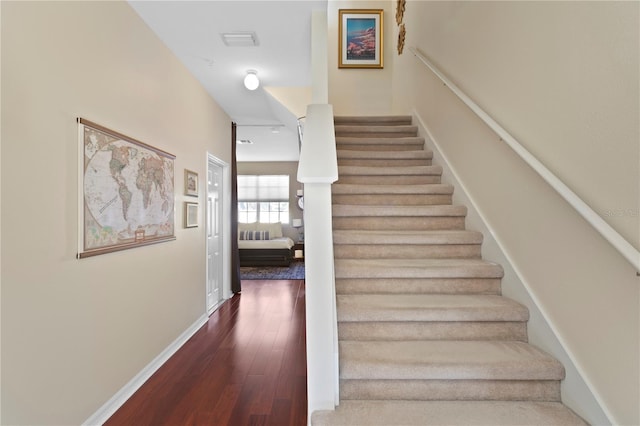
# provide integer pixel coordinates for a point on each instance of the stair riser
(363, 146)
(365, 189)
(443, 390)
(390, 132)
(418, 286)
(385, 155)
(392, 200)
(376, 134)
(375, 128)
(388, 180)
(390, 171)
(399, 223)
(369, 162)
(391, 251)
(396, 120)
(388, 199)
(500, 330)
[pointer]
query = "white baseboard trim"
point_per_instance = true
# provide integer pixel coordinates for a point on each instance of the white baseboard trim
(112, 405)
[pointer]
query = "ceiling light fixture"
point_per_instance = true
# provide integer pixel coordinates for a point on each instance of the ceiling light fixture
(251, 81)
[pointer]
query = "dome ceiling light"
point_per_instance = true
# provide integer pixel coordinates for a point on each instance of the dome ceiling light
(251, 81)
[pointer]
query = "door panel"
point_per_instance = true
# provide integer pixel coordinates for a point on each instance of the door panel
(214, 237)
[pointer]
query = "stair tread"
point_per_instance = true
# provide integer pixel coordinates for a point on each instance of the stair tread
(452, 413)
(405, 140)
(429, 307)
(406, 237)
(365, 189)
(416, 268)
(446, 360)
(389, 171)
(384, 155)
(420, 211)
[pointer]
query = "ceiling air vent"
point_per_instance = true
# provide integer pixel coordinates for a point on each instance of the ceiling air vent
(240, 39)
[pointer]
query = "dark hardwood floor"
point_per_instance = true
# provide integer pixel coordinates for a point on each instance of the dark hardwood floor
(246, 366)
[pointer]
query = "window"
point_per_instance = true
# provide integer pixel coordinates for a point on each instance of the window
(263, 198)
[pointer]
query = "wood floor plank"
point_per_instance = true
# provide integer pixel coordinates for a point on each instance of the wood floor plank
(281, 413)
(246, 366)
(242, 411)
(224, 407)
(263, 402)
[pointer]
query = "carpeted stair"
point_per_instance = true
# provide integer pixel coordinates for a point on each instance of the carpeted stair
(425, 336)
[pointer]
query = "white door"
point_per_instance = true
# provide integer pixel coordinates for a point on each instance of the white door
(214, 235)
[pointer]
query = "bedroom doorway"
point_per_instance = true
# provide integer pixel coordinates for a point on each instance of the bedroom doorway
(214, 213)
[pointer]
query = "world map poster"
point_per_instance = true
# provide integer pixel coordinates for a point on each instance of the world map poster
(127, 192)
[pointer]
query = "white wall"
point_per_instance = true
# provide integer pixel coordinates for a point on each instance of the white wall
(355, 91)
(562, 77)
(75, 331)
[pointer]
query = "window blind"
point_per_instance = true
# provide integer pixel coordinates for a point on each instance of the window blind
(252, 188)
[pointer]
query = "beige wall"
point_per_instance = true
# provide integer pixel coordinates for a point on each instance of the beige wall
(279, 168)
(75, 331)
(360, 91)
(562, 77)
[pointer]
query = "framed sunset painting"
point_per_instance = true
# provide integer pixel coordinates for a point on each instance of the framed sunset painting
(360, 38)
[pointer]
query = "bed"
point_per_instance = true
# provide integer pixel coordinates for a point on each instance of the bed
(262, 244)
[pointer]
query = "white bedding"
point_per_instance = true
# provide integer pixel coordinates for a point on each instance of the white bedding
(276, 243)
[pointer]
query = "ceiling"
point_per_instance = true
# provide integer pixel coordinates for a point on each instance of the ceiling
(193, 30)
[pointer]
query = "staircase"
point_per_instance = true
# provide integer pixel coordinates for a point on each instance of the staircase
(425, 336)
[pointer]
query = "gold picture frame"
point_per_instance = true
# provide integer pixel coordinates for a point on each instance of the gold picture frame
(361, 38)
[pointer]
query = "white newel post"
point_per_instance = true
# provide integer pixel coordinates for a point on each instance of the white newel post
(317, 170)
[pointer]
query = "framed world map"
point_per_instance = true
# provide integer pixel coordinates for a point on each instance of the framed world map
(126, 191)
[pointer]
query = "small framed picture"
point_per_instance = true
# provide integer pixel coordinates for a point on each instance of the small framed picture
(190, 215)
(190, 183)
(360, 38)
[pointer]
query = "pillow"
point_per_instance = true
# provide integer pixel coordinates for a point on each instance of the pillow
(275, 229)
(253, 235)
(247, 226)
